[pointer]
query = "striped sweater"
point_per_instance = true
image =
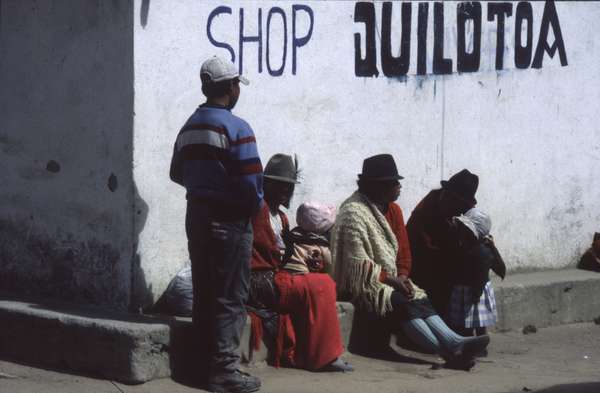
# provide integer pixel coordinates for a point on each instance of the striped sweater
(216, 159)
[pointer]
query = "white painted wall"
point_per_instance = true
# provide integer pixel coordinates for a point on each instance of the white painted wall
(66, 94)
(530, 134)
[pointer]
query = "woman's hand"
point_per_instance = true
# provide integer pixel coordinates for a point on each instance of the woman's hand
(408, 285)
(401, 284)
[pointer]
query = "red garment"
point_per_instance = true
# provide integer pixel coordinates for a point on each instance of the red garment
(309, 300)
(396, 220)
(309, 329)
(265, 252)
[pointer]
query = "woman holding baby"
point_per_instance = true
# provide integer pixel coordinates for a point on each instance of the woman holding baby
(286, 279)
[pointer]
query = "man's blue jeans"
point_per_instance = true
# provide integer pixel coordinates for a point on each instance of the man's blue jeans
(220, 252)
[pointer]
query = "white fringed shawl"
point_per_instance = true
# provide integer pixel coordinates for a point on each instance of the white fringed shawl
(362, 245)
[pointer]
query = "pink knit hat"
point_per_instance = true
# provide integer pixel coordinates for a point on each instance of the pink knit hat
(315, 217)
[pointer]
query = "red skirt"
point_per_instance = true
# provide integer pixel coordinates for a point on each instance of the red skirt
(309, 325)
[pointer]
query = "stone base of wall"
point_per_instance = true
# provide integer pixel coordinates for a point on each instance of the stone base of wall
(547, 298)
(109, 345)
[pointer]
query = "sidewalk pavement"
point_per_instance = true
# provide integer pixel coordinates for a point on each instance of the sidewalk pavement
(563, 359)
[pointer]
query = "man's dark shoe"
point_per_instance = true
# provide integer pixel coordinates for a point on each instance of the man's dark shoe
(233, 382)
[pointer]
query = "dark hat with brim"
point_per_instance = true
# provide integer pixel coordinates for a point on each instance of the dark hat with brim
(463, 185)
(381, 167)
(283, 168)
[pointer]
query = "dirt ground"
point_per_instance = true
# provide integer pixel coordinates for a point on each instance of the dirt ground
(563, 359)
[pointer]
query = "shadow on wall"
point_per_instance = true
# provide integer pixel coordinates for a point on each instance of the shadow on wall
(70, 215)
(144, 9)
(141, 291)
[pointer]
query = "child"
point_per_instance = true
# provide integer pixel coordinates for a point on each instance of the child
(472, 303)
(307, 245)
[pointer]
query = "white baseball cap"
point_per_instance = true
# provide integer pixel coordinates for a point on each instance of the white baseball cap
(219, 70)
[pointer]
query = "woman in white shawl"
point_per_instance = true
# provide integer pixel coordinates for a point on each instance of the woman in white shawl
(364, 250)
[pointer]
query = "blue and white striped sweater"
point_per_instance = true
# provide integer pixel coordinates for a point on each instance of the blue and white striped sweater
(216, 159)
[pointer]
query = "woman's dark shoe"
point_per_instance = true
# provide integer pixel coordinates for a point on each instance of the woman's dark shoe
(462, 357)
(338, 365)
(470, 346)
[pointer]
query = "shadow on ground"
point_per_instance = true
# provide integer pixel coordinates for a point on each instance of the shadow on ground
(586, 387)
(379, 338)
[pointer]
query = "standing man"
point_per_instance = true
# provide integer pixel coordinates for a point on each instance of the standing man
(215, 158)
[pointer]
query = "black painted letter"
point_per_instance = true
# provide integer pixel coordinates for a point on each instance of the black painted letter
(395, 66)
(298, 42)
(365, 12)
(468, 62)
(523, 53)
(500, 11)
(422, 39)
(550, 17)
(441, 65)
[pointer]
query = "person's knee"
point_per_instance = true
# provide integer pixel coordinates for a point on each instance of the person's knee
(418, 331)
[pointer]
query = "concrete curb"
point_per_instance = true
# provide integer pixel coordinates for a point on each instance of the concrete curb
(114, 346)
(118, 346)
(547, 298)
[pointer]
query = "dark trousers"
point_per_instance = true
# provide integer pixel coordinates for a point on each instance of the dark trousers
(220, 276)
(439, 296)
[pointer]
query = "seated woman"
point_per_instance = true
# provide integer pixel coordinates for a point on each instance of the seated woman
(308, 331)
(368, 268)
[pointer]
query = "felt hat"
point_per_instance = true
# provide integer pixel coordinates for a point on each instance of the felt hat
(283, 168)
(381, 167)
(462, 184)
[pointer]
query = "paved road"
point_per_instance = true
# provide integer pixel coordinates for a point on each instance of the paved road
(563, 359)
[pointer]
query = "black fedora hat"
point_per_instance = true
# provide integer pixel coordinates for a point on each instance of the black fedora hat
(381, 167)
(462, 184)
(283, 168)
